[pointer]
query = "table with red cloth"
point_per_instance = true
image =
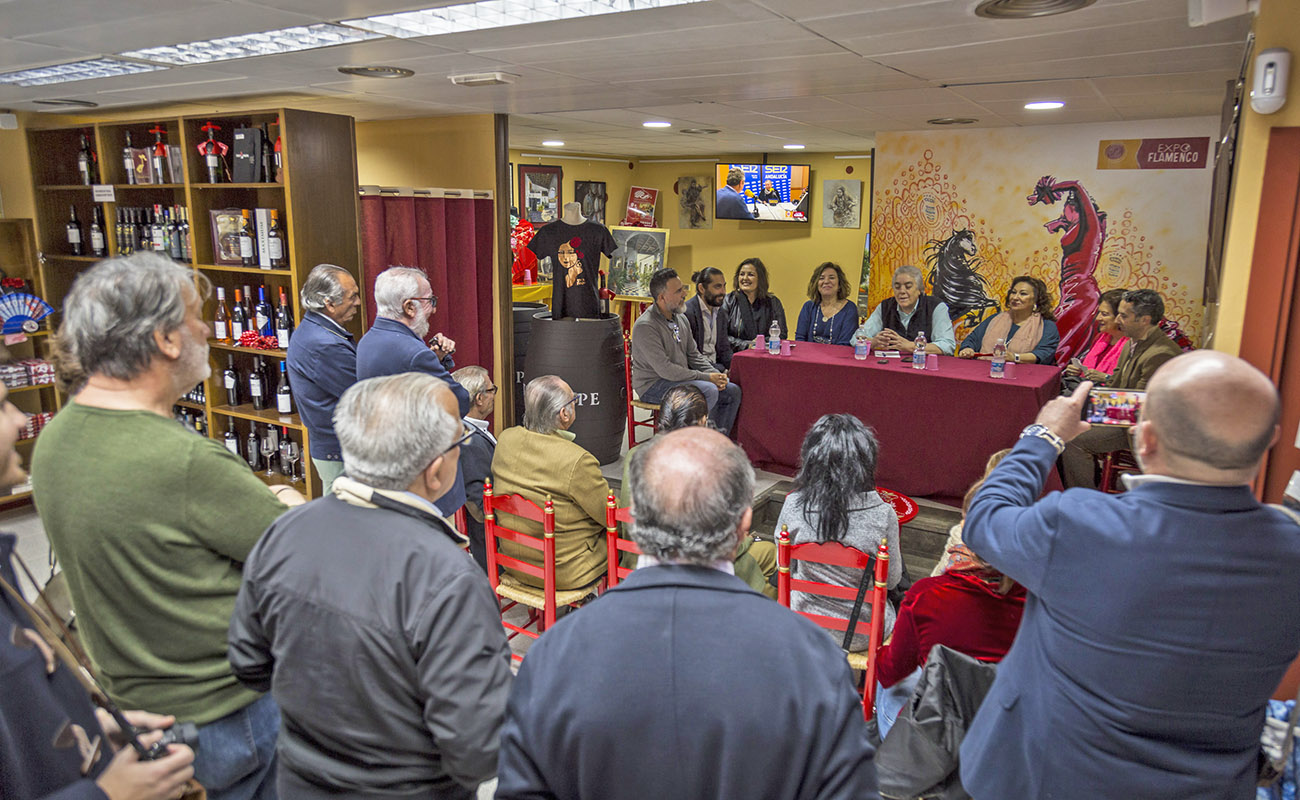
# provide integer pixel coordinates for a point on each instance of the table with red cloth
(936, 428)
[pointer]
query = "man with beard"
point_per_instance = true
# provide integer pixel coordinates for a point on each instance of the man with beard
(664, 354)
(708, 321)
(150, 522)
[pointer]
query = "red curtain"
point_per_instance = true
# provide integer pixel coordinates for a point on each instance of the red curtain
(450, 239)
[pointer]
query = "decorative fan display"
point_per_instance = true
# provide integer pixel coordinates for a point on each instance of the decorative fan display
(21, 312)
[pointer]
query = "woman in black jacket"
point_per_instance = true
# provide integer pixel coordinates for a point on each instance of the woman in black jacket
(750, 309)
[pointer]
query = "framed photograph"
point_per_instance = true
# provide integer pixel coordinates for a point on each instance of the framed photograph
(591, 195)
(694, 202)
(842, 204)
(640, 251)
(540, 193)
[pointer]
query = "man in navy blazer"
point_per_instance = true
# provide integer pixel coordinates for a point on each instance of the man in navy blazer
(1159, 621)
(692, 685)
(404, 302)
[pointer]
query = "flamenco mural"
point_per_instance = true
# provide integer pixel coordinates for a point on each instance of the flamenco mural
(967, 207)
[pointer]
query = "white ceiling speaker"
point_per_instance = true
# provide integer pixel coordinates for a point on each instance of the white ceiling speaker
(483, 79)
(1204, 12)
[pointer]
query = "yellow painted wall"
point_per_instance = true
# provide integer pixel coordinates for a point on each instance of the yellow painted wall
(443, 152)
(16, 194)
(1278, 25)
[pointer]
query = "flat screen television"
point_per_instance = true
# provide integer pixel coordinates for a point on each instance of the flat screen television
(764, 192)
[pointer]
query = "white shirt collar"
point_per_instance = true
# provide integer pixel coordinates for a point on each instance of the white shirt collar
(482, 425)
(1133, 480)
(335, 325)
(644, 560)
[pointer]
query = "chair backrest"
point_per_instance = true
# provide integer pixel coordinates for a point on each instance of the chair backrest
(522, 507)
(615, 545)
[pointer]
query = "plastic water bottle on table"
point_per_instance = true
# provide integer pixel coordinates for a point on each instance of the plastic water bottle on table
(861, 347)
(774, 339)
(918, 355)
(998, 368)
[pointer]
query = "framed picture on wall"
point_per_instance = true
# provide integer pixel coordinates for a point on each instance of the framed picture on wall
(541, 193)
(591, 196)
(640, 251)
(843, 204)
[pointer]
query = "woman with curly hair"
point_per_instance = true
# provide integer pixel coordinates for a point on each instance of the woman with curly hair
(1026, 326)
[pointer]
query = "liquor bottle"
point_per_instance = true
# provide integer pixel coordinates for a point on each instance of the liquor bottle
(221, 321)
(85, 161)
(238, 320)
(128, 160)
(268, 169)
(253, 449)
(283, 322)
(257, 385)
(159, 153)
(183, 231)
(119, 232)
(230, 377)
(212, 152)
(998, 367)
(275, 241)
(262, 314)
(98, 242)
(173, 234)
(247, 240)
(157, 232)
(74, 233)
(231, 438)
(286, 466)
(248, 307)
(139, 233)
(283, 394)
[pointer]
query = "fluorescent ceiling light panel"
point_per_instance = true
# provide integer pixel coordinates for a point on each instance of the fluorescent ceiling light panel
(496, 14)
(285, 40)
(76, 71)
(1044, 105)
(656, 124)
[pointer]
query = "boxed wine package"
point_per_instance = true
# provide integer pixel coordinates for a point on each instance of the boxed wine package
(247, 156)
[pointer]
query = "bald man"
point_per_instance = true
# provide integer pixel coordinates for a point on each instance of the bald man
(691, 683)
(1159, 621)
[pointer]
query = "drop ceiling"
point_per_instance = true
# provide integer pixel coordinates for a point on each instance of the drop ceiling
(828, 74)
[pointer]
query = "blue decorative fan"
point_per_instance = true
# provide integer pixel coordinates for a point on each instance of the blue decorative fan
(21, 312)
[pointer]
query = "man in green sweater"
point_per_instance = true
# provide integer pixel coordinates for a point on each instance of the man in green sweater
(150, 522)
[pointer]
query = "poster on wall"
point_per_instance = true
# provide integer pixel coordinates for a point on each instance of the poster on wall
(694, 209)
(591, 196)
(540, 193)
(640, 251)
(641, 207)
(842, 207)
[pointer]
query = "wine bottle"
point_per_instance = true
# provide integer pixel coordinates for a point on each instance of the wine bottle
(253, 449)
(268, 173)
(140, 236)
(257, 386)
(158, 233)
(248, 307)
(221, 321)
(283, 394)
(232, 437)
(247, 240)
(85, 161)
(183, 231)
(286, 466)
(232, 380)
(283, 322)
(275, 241)
(98, 246)
(128, 160)
(238, 320)
(123, 244)
(74, 233)
(174, 233)
(262, 313)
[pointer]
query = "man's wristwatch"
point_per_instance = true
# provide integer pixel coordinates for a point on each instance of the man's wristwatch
(1046, 435)
(1015, 357)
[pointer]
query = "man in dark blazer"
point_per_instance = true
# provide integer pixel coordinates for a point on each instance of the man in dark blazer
(476, 453)
(693, 685)
(404, 302)
(708, 320)
(1159, 621)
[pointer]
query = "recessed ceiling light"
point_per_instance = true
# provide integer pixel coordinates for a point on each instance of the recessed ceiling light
(700, 131)
(792, 146)
(1028, 9)
(76, 71)
(495, 14)
(552, 143)
(377, 72)
(951, 121)
(60, 101)
(1044, 105)
(285, 40)
(656, 124)
(483, 78)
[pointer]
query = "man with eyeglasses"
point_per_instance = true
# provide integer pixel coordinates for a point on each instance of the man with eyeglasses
(366, 599)
(476, 454)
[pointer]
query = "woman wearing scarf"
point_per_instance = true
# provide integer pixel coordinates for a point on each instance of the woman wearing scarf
(1027, 326)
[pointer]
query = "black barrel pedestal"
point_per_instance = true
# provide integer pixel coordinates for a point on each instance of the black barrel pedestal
(523, 317)
(588, 355)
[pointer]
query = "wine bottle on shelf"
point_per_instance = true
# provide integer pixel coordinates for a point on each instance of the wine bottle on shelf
(247, 240)
(262, 314)
(275, 241)
(248, 306)
(98, 242)
(128, 160)
(221, 319)
(119, 232)
(257, 385)
(283, 394)
(86, 161)
(230, 377)
(73, 229)
(238, 320)
(159, 155)
(183, 230)
(268, 168)
(140, 238)
(253, 448)
(157, 233)
(232, 437)
(212, 150)
(283, 322)
(279, 158)
(286, 465)
(173, 234)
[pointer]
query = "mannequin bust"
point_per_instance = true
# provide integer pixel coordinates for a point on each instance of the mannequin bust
(572, 214)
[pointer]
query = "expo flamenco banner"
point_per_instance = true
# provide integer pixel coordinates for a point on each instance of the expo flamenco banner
(974, 209)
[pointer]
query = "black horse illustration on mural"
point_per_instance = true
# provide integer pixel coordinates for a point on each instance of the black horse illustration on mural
(953, 279)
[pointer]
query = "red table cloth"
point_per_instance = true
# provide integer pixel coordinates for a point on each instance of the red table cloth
(936, 428)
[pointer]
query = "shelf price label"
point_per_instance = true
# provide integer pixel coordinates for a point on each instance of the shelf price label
(103, 193)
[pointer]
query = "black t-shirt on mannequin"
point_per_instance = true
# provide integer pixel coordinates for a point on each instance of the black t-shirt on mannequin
(575, 252)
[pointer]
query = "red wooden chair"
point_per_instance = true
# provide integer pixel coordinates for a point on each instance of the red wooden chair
(1113, 464)
(632, 403)
(838, 555)
(541, 603)
(615, 545)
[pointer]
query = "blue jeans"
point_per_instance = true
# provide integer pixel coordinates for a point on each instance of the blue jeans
(890, 702)
(723, 405)
(235, 759)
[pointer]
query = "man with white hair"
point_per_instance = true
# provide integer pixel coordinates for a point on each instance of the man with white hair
(895, 323)
(476, 454)
(373, 630)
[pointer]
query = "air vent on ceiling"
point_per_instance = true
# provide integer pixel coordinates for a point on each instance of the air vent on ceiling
(368, 71)
(951, 121)
(700, 131)
(483, 79)
(1028, 9)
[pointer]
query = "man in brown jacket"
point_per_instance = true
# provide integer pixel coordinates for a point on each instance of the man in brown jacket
(1148, 347)
(540, 459)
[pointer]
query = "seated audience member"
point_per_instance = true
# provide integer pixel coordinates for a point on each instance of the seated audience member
(731, 201)
(708, 320)
(540, 460)
(750, 308)
(1099, 362)
(43, 701)
(1027, 326)
(1127, 681)
(955, 551)
(972, 608)
(664, 354)
(322, 361)
(828, 317)
(476, 452)
(684, 407)
(732, 695)
(377, 636)
(150, 522)
(895, 323)
(835, 500)
(1148, 348)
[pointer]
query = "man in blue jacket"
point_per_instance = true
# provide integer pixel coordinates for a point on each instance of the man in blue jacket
(404, 304)
(322, 361)
(1158, 621)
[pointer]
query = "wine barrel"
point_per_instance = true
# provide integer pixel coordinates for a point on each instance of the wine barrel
(523, 314)
(588, 355)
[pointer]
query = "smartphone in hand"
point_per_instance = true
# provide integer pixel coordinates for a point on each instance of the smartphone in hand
(1114, 407)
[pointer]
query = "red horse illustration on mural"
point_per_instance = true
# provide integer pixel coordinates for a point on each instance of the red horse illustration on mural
(1083, 229)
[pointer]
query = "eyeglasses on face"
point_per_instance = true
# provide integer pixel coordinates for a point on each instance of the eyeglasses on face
(433, 299)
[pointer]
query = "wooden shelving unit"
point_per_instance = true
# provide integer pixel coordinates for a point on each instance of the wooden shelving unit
(316, 198)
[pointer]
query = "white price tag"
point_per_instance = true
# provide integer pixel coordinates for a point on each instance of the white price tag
(103, 193)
